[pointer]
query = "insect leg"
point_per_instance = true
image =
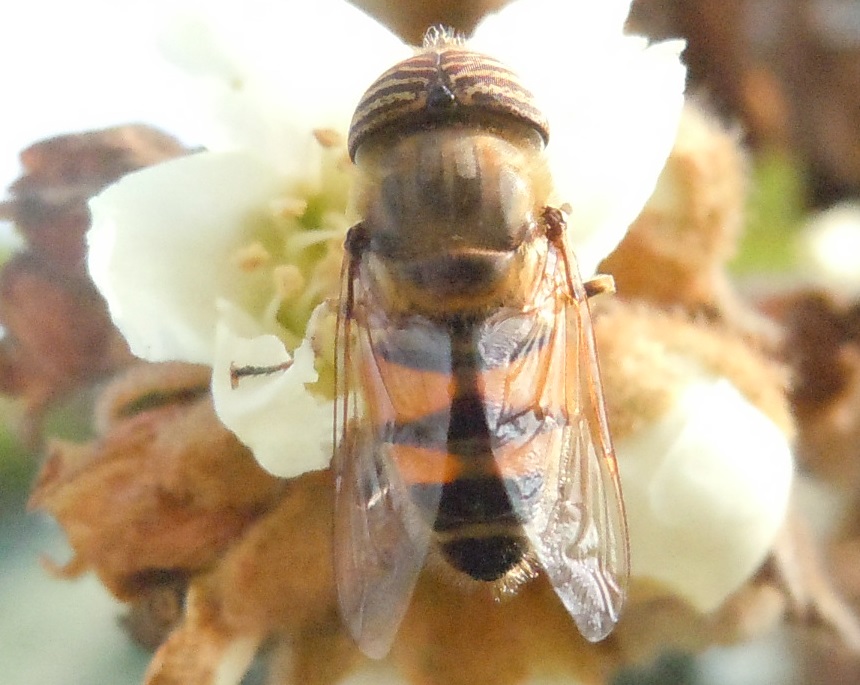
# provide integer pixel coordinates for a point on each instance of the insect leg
(237, 373)
(556, 227)
(599, 284)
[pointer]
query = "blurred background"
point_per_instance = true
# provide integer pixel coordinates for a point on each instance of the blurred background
(784, 73)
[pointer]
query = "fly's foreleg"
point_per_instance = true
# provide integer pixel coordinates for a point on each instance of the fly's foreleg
(556, 228)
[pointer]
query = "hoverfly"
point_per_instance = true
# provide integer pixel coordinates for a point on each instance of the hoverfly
(470, 428)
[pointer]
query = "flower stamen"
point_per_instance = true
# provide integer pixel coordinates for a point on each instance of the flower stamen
(288, 207)
(329, 138)
(298, 242)
(252, 257)
(288, 280)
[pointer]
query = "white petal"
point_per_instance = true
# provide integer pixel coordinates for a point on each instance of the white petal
(550, 23)
(234, 661)
(706, 490)
(102, 69)
(280, 69)
(829, 248)
(160, 244)
(608, 152)
(288, 429)
(613, 106)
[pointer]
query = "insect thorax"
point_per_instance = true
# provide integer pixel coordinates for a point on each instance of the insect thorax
(448, 210)
(450, 152)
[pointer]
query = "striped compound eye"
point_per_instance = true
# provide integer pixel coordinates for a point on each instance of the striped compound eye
(444, 84)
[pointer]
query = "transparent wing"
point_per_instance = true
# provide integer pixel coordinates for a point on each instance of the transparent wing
(576, 524)
(380, 542)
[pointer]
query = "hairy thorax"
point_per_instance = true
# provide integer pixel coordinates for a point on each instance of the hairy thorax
(451, 215)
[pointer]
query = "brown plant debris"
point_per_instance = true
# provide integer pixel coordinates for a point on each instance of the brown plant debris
(798, 564)
(822, 348)
(161, 494)
(58, 331)
(58, 334)
(48, 203)
(157, 610)
(789, 69)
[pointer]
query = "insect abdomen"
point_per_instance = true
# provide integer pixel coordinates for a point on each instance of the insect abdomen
(464, 472)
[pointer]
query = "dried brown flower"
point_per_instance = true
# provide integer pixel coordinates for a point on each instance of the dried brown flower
(162, 492)
(822, 348)
(410, 19)
(48, 203)
(58, 331)
(788, 69)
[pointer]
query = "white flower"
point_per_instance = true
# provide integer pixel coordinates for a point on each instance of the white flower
(257, 221)
(96, 65)
(267, 408)
(706, 489)
(829, 248)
